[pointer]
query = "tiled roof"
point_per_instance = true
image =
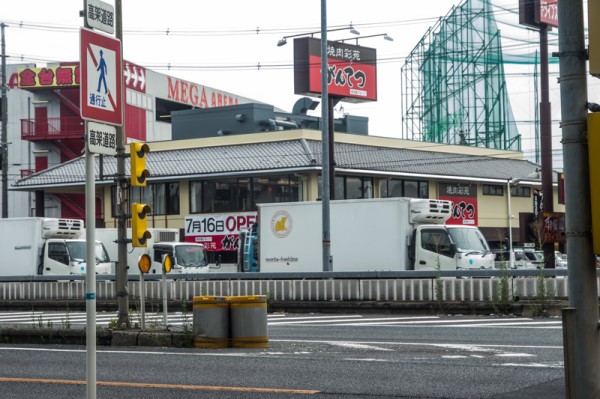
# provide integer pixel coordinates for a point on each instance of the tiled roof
(291, 155)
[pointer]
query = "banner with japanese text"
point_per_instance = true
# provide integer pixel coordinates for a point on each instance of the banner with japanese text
(464, 199)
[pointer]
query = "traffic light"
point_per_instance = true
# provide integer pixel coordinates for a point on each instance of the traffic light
(593, 136)
(139, 225)
(139, 173)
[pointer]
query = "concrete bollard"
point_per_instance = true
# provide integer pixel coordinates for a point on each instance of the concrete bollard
(211, 322)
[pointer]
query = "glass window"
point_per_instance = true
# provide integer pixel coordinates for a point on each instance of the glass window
(58, 251)
(350, 187)
(520, 191)
(490, 189)
(411, 189)
(436, 240)
(354, 188)
(404, 188)
(195, 196)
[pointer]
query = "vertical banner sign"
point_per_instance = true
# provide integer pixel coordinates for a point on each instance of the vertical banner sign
(538, 202)
(464, 199)
(218, 232)
(102, 78)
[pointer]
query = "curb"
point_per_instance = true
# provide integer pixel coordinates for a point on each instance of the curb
(103, 338)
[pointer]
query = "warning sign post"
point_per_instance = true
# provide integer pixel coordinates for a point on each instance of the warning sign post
(101, 78)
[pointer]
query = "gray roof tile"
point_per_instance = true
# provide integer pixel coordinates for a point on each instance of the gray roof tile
(294, 154)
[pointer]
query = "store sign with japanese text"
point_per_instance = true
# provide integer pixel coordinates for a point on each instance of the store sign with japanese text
(218, 231)
(351, 70)
(58, 76)
(554, 227)
(464, 199)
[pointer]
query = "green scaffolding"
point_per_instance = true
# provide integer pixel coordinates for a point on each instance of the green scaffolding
(453, 83)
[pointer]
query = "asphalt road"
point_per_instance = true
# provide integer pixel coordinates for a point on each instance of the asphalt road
(315, 356)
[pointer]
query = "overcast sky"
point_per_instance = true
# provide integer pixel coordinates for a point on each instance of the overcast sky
(231, 45)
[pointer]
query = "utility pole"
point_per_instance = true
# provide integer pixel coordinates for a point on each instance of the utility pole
(546, 144)
(122, 201)
(580, 320)
(4, 139)
(325, 161)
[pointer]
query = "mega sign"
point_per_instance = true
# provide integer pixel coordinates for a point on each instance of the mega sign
(198, 95)
(351, 70)
(218, 232)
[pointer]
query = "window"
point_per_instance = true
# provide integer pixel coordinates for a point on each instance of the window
(58, 251)
(162, 198)
(436, 240)
(520, 192)
(489, 189)
(240, 195)
(350, 187)
(404, 188)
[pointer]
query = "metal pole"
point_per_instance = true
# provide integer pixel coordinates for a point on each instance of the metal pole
(143, 301)
(583, 292)
(511, 254)
(164, 297)
(327, 261)
(122, 203)
(29, 124)
(546, 143)
(90, 272)
(4, 139)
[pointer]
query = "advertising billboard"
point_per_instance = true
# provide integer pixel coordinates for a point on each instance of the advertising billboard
(351, 71)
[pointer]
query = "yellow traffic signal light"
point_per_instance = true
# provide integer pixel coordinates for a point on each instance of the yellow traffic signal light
(139, 225)
(139, 173)
(593, 125)
(167, 263)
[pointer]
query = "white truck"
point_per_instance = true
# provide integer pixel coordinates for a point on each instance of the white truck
(386, 234)
(188, 258)
(47, 246)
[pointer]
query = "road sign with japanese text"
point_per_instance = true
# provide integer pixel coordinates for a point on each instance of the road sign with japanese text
(101, 138)
(101, 78)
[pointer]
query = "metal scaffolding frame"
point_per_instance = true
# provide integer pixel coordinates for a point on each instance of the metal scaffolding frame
(453, 84)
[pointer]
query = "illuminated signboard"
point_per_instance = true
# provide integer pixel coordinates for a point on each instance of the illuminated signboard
(538, 12)
(351, 75)
(464, 199)
(59, 76)
(218, 232)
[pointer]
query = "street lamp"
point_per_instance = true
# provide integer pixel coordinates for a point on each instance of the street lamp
(385, 37)
(511, 253)
(283, 41)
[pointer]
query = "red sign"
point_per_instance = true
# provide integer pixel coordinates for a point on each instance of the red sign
(218, 232)
(101, 78)
(351, 70)
(549, 12)
(464, 200)
(60, 76)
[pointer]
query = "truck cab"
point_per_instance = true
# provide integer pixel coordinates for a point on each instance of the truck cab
(447, 247)
(62, 257)
(188, 258)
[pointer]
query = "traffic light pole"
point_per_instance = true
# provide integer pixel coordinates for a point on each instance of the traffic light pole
(582, 363)
(122, 203)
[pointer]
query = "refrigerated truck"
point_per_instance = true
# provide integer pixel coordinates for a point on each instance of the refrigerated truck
(47, 246)
(386, 234)
(188, 258)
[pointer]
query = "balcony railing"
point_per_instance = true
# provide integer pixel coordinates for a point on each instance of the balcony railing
(27, 172)
(69, 127)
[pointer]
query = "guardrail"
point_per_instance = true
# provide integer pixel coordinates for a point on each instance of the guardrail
(404, 274)
(475, 285)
